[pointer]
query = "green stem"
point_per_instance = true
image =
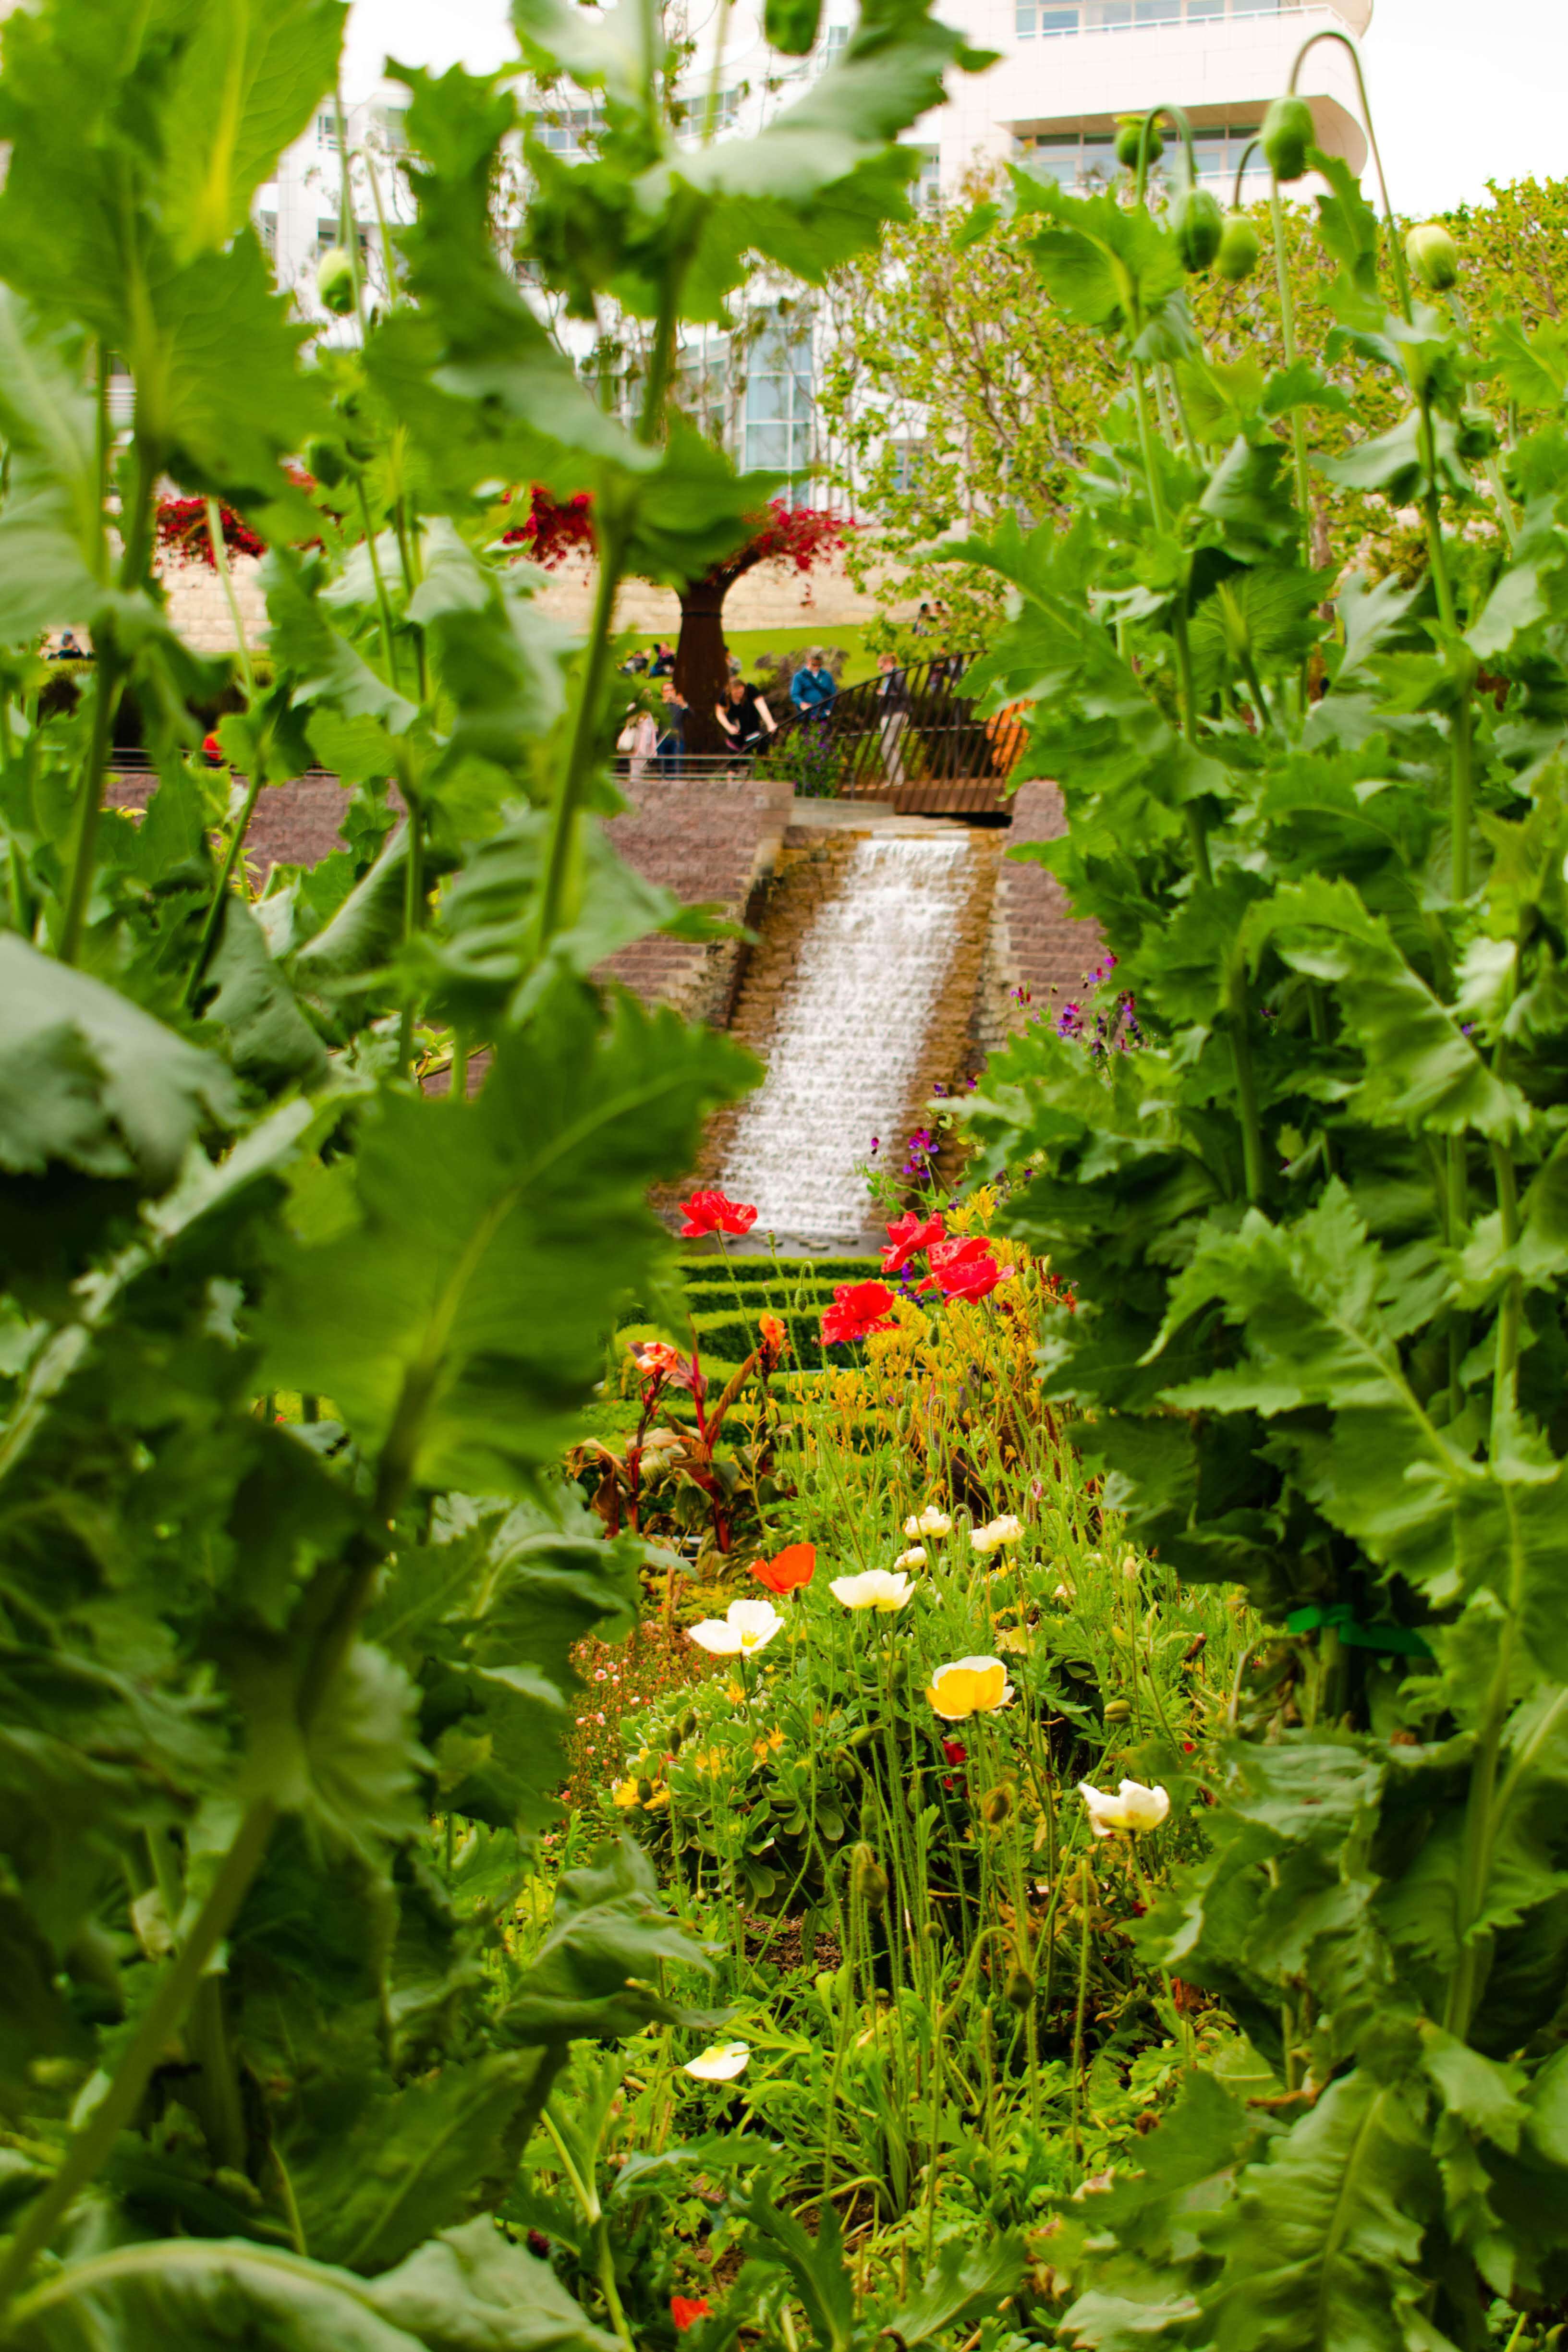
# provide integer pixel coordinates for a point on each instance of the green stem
(1395, 250)
(161, 2020)
(413, 915)
(107, 689)
(213, 915)
(1253, 1161)
(561, 848)
(383, 602)
(220, 558)
(1288, 333)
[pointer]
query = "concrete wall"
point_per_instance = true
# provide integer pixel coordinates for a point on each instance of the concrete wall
(774, 596)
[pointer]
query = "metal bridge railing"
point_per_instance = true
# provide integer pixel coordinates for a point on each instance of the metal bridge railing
(904, 729)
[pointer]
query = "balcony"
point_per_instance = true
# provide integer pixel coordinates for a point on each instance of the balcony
(1058, 19)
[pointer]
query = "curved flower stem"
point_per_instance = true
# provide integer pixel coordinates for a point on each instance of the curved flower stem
(1395, 251)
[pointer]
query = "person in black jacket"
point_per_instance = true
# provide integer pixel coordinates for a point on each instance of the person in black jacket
(744, 716)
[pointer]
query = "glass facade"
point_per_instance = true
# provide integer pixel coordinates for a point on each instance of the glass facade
(780, 410)
(1042, 19)
(567, 130)
(1087, 159)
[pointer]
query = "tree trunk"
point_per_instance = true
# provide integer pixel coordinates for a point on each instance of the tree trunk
(701, 669)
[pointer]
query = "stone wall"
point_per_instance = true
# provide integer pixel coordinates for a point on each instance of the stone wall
(1036, 949)
(773, 596)
(711, 840)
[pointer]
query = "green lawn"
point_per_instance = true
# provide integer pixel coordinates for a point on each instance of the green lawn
(751, 643)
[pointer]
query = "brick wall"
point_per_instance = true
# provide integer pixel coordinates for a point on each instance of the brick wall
(709, 840)
(1035, 943)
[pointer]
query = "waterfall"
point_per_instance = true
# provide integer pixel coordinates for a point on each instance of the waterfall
(848, 1046)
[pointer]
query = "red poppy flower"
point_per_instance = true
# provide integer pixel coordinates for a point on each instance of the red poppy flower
(774, 1338)
(795, 1565)
(955, 1751)
(858, 1309)
(965, 1269)
(686, 2310)
(711, 1213)
(907, 1237)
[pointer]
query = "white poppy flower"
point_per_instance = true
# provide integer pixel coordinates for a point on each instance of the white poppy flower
(1133, 1808)
(745, 1626)
(1005, 1530)
(929, 1522)
(877, 1588)
(914, 1558)
(722, 2063)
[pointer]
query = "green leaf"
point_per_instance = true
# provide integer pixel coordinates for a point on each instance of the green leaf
(963, 2287)
(461, 1316)
(271, 1040)
(1420, 1065)
(598, 1969)
(90, 1081)
(468, 2291)
(413, 2162)
(247, 85)
(1322, 2246)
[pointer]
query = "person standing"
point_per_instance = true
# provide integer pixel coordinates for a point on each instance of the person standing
(744, 716)
(893, 711)
(812, 688)
(672, 731)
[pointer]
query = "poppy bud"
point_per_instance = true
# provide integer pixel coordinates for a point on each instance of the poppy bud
(827, 1985)
(673, 1739)
(1019, 1988)
(687, 1724)
(1288, 132)
(790, 26)
(1199, 225)
(1117, 1711)
(1477, 437)
(995, 1805)
(1433, 256)
(325, 462)
(335, 282)
(644, 1790)
(1239, 249)
(868, 1878)
(1129, 140)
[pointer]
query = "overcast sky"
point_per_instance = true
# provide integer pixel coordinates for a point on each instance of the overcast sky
(1464, 90)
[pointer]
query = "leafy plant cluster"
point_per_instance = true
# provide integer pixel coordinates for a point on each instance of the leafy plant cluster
(1315, 1231)
(958, 389)
(284, 1696)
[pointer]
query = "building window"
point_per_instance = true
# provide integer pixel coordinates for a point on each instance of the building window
(720, 112)
(329, 235)
(1077, 159)
(267, 230)
(905, 457)
(569, 131)
(836, 37)
(781, 407)
(327, 129)
(392, 121)
(1039, 19)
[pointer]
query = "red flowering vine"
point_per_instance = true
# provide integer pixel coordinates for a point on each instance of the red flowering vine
(182, 529)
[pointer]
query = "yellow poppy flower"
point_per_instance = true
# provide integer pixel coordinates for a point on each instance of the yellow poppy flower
(969, 1686)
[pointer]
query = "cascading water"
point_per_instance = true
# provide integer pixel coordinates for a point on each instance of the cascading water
(847, 1044)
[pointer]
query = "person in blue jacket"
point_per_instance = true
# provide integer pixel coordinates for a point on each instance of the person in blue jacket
(812, 688)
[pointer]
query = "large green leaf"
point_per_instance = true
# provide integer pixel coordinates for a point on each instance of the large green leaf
(458, 1314)
(88, 1081)
(1322, 2246)
(246, 85)
(413, 2162)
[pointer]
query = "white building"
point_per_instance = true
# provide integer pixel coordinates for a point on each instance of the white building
(1068, 68)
